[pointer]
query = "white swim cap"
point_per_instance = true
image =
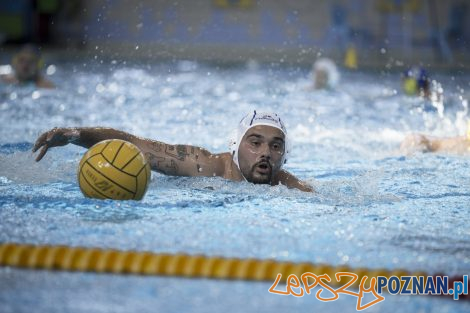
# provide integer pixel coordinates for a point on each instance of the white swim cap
(255, 119)
(328, 66)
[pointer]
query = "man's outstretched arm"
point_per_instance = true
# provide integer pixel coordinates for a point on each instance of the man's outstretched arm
(177, 160)
(421, 143)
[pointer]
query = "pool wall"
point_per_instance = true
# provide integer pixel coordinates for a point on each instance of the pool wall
(381, 32)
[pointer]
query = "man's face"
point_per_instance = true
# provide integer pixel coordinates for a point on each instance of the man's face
(25, 65)
(321, 79)
(260, 153)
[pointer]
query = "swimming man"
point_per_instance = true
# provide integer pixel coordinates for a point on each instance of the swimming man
(256, 155)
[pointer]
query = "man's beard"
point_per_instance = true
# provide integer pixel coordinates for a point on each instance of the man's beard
(261, 173)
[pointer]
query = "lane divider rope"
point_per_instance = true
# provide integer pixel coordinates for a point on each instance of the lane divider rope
(96, 260)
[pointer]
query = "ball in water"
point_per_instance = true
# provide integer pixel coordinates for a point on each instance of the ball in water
(114, 169)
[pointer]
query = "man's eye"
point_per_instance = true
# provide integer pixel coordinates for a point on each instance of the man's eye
(255, 143)
(277, 146)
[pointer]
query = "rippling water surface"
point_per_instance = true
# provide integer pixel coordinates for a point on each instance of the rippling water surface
(374, 208)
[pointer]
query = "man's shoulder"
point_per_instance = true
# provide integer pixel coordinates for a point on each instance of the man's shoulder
(224, 155)
(225, 158)
(230, 170)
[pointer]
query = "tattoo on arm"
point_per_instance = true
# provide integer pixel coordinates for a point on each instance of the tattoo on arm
(165, 158)
(172, 169)
(155, 146)
(180, 153)
(205, 152)
(165, 166)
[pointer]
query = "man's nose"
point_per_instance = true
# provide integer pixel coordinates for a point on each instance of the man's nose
(266, 151)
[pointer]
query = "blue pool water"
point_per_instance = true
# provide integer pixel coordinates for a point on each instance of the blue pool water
(375, 208)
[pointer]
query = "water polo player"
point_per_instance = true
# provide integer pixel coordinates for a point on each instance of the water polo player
(325, 74)
(415, 81)
(256, 155)
(27, 64)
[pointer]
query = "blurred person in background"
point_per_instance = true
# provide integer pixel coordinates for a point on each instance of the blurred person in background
(415, 81)
(325, 74)
(27, 64)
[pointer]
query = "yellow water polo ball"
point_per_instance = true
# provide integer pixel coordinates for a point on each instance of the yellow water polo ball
(114, 169)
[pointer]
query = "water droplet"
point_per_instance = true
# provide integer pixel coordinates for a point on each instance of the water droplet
(51, 69)
(35, 95)
(100, 88)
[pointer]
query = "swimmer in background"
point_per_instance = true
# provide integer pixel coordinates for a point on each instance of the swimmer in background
(421, 143)
(27, 64)
(416, 82)
(325, 74)
(256, 155)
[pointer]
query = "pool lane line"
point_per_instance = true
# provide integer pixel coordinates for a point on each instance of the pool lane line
(80, 259)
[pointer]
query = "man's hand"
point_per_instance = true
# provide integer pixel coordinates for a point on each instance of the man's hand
(54, 138)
